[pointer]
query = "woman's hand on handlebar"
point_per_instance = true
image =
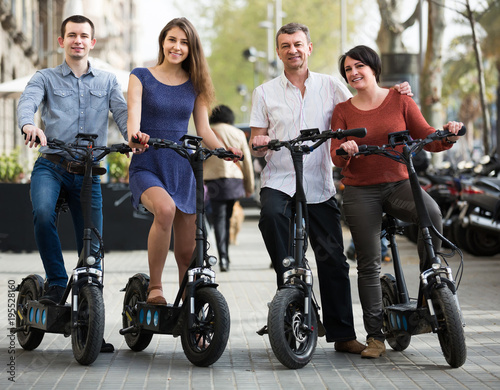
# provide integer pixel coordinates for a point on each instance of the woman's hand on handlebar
(31, 133)
(453, 127)
(138, 142)
(235, 151)
(350, 147)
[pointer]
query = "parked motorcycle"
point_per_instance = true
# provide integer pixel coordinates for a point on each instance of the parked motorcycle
(478, 224)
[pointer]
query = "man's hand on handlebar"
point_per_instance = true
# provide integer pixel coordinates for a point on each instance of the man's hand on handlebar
(261, 141)
(31, 133)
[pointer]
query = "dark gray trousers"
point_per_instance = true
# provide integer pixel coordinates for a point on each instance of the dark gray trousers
(364, 207)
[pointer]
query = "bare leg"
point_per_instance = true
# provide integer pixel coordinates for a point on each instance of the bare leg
(162, 206)
(184, 240)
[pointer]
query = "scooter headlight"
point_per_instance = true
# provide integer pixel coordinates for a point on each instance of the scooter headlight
(212, 260)
(91, 260)
(288, 261)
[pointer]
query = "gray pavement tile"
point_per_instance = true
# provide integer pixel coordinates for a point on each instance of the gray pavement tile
(248, 361)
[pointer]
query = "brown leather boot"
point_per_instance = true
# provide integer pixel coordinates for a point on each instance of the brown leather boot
(374, 349)
(351, 346)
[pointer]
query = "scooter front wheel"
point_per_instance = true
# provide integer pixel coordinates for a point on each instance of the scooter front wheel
(450, 329)
(206, 340)
(29, 291)
(86, 337)
(292, 341)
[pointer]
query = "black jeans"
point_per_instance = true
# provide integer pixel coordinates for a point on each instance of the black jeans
(222, 210)
(325, 236)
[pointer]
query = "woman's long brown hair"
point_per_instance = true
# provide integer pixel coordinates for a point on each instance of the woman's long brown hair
(195, 64)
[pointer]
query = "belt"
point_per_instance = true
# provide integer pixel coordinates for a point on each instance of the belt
(75, 167)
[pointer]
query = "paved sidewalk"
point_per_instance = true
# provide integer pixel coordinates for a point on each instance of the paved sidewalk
(248, 361)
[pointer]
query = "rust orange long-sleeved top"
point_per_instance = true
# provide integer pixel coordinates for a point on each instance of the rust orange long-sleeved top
(396, 113)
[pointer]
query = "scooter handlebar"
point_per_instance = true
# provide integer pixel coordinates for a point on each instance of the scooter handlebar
(358, 132)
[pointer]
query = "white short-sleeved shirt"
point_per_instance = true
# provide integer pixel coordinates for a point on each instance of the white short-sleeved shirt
(278, 105)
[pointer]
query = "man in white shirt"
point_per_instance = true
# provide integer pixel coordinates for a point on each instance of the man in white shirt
(300, 99)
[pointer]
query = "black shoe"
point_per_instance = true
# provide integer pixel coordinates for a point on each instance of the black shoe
(53, 295)
(107, 347)
(224, 265)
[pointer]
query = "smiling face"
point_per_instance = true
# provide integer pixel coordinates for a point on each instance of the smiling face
(358, 74)
(175, 46)
(293, 50)
(77, 41)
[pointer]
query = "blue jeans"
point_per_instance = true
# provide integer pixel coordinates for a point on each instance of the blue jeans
(47, 180)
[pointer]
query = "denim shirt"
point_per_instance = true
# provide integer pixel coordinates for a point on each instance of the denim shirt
(73, 105)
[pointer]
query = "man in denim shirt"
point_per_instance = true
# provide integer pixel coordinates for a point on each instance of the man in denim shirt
(75, 98)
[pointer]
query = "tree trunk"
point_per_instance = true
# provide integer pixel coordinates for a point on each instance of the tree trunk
(480, 76)
(498, 103)
(431, 81)
(390, 34)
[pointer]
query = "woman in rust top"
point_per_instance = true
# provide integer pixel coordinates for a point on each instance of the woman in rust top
(375, 184)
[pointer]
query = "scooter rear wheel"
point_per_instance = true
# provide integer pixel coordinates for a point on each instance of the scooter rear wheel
(136, 292)
(389, 298)
(87, 336)
(206, 340)
(292, 344)
(450, 332)
(31, 338)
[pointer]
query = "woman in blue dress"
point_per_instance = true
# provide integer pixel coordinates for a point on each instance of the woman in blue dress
(161, 100)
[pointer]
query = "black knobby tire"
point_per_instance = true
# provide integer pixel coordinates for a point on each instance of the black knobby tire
(450, 332)
(482, 242)
(32, 338)
(389, 298)
(86, 338)
(292, 345)
(136, 292)
(205, 342)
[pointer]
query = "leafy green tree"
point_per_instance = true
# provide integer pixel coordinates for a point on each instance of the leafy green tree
(471, 81)
(233, 26)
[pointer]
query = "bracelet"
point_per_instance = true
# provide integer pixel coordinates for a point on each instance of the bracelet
(450, 142)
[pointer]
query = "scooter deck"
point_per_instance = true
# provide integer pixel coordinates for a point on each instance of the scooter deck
(406, 317)
(49, 318)
(163, 319)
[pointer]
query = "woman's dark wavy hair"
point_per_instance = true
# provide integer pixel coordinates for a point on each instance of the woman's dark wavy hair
(364, 54)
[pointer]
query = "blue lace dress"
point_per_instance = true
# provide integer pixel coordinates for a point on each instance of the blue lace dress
(166, 111)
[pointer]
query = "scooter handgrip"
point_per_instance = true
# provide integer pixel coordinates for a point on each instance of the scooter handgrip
(446, 133)
(37, 140)
(341, 152)
(358, 132)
